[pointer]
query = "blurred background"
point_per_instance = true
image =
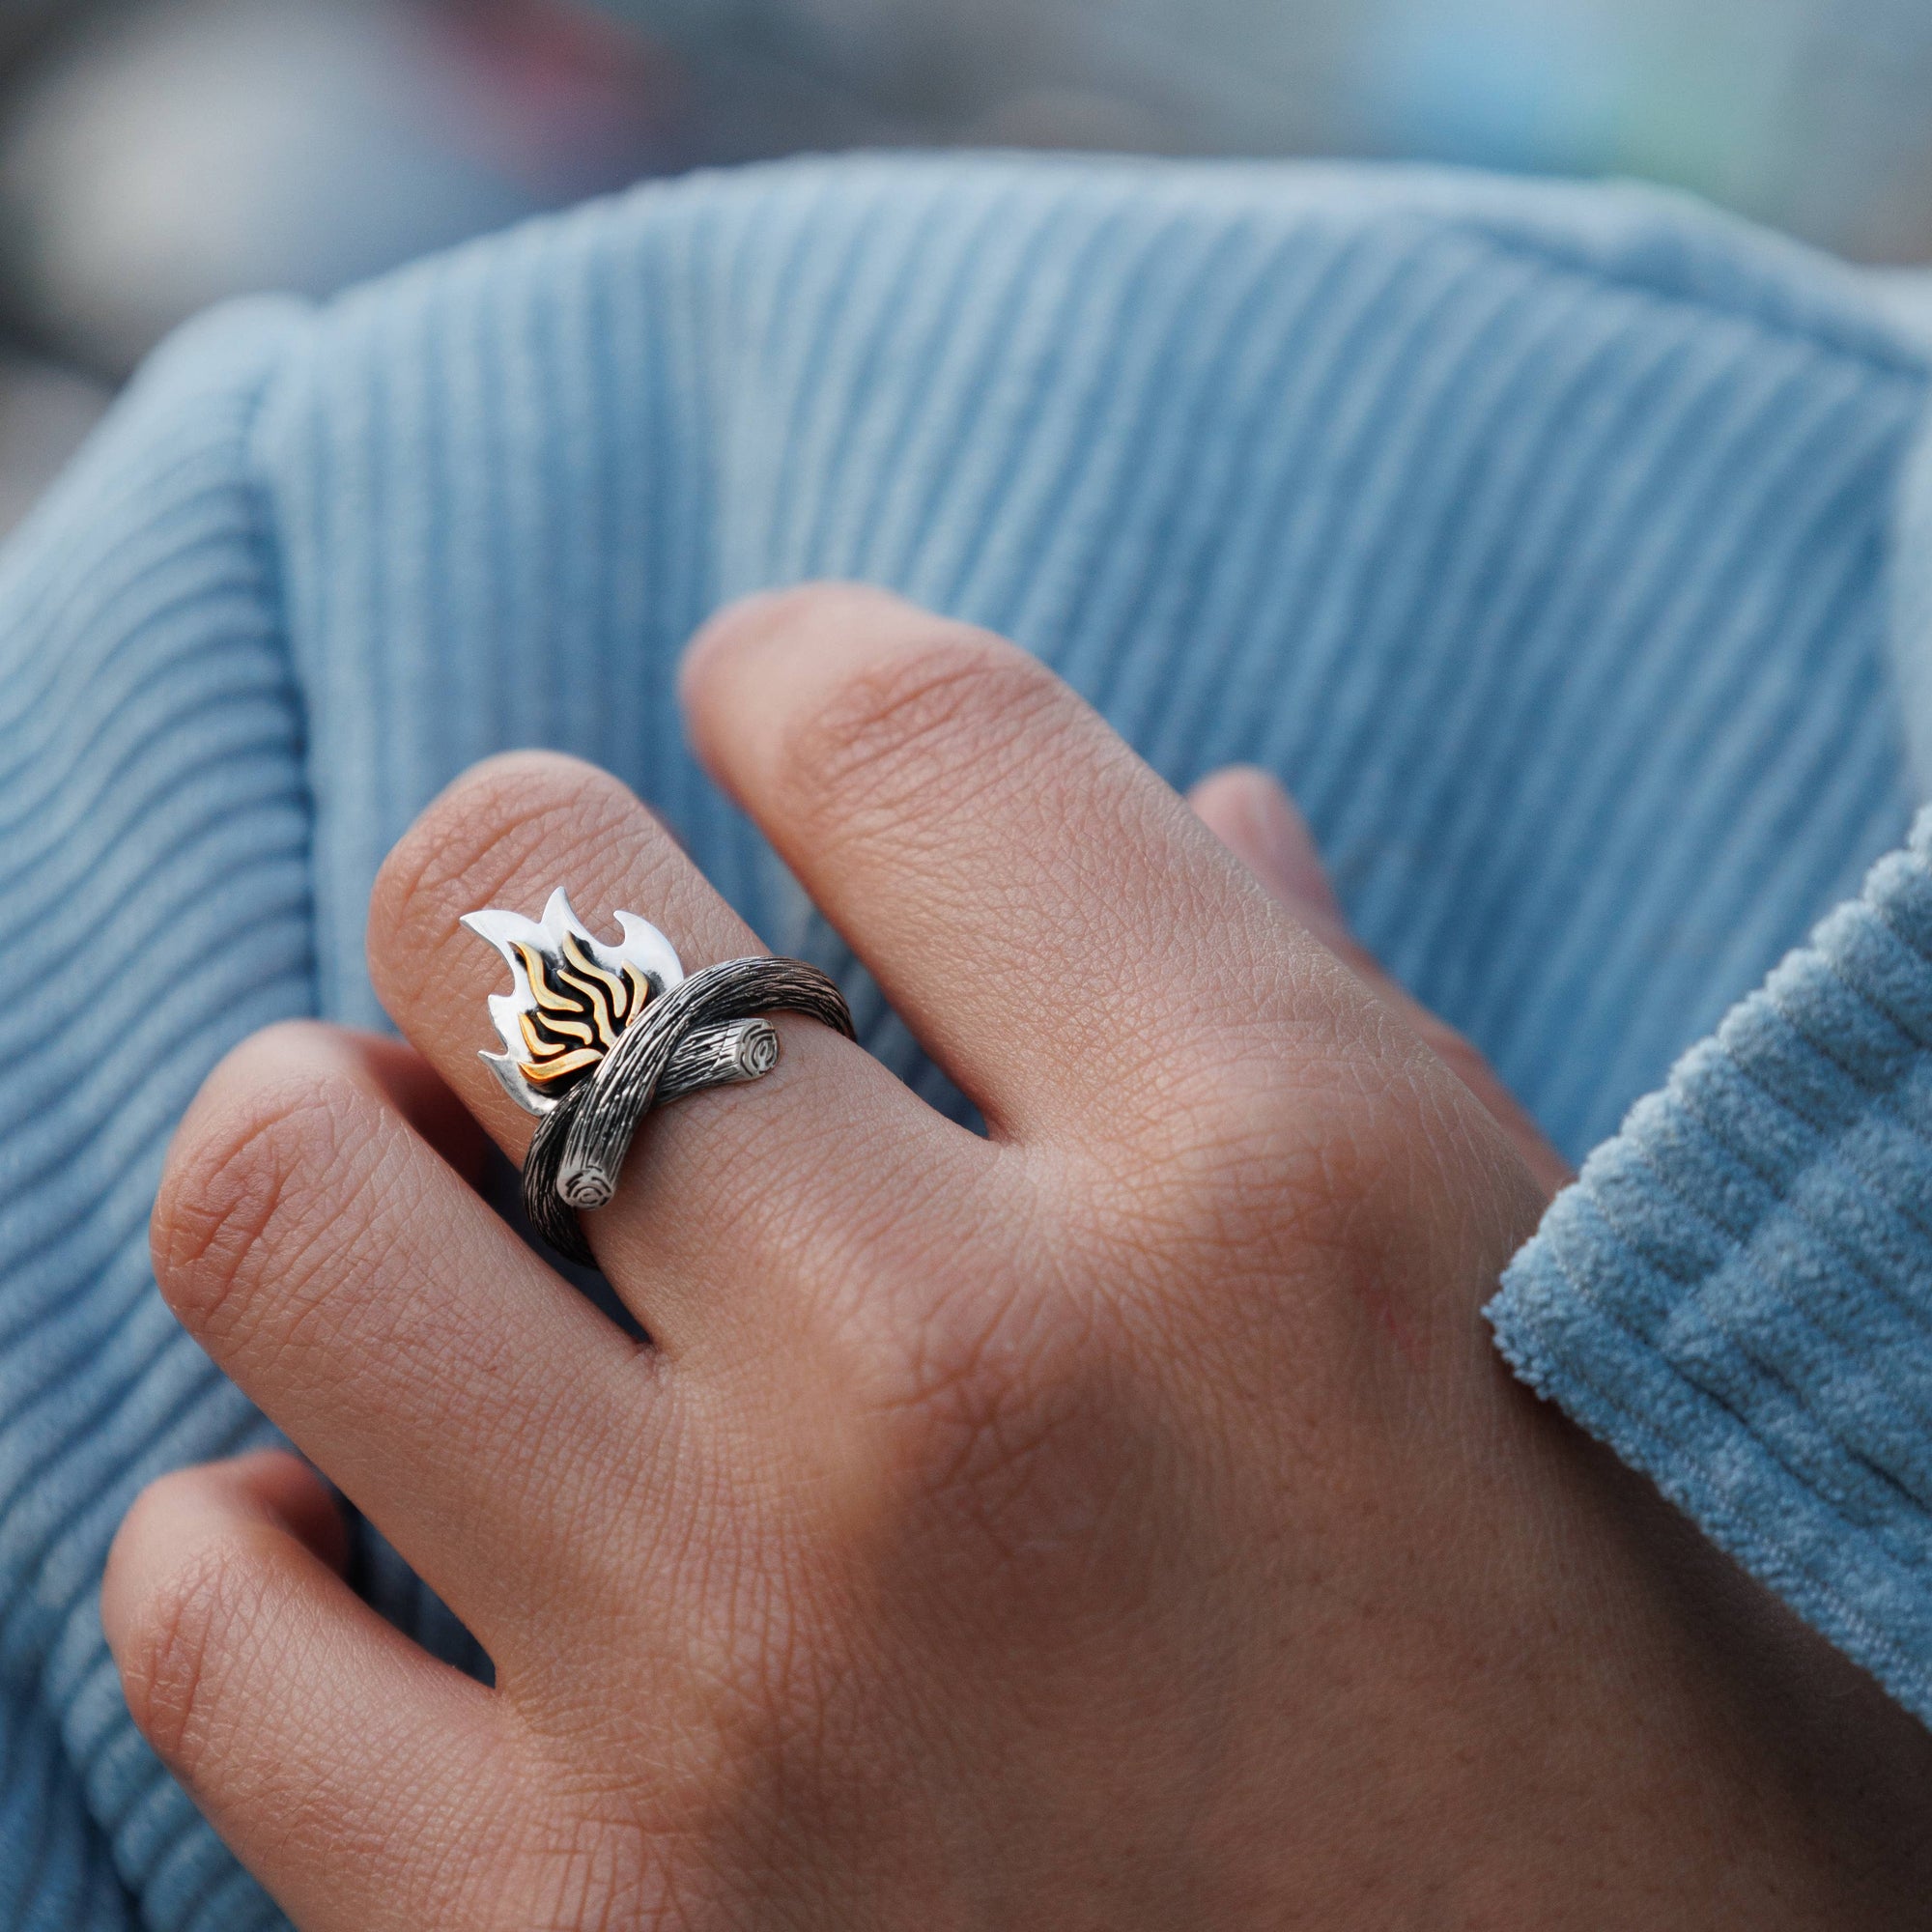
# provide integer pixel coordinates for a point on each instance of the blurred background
(158, 154)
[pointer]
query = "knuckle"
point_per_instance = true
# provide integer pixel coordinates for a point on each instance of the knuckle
(474, 840)
(587, 1874)
(994, 1387)
(256, 1182)
(1252, 1140)
(1314, 1197)
(889, 729)
(1013, 1461)
(170, 1651)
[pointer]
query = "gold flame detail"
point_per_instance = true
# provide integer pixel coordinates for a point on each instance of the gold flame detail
(581, 1009)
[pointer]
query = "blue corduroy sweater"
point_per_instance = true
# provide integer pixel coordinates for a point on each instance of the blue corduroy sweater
(1558, 548)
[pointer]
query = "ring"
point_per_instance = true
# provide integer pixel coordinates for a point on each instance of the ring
(595, 1035)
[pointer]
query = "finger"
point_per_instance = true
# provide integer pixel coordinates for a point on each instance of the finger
(374, 1307)
(1258, 822)
(748, 1186)
(427, 1103)
(1255, 818)
(323, 1746)
(1054, 923)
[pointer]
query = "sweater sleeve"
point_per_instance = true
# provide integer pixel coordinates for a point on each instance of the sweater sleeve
(1536, 537)
(1736, 1296)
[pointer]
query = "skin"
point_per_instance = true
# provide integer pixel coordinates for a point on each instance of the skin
(1119, 1521)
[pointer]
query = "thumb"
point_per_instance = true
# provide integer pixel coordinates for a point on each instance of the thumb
(1257, 820)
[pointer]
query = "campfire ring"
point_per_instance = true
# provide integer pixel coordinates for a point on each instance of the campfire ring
(596, 1036)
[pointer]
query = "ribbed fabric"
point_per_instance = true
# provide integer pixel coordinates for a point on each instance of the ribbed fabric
(155, 886)
(1536, 538)
(1738, 1295)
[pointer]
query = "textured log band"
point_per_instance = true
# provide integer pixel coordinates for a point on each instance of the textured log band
(596, 1033)
(703, 1033)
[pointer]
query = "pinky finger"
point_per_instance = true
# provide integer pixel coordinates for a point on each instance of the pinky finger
(329, 1751)
(1257, 820)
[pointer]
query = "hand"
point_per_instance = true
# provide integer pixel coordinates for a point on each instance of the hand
(1119, 1521)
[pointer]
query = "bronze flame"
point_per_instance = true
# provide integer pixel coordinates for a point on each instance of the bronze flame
(581, 1009)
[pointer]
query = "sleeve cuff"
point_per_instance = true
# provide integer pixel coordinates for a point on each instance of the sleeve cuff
(1736, 1296)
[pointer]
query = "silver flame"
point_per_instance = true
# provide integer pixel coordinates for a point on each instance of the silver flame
(642, 946)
